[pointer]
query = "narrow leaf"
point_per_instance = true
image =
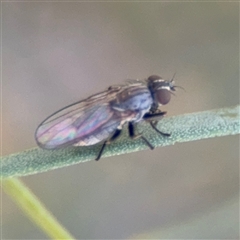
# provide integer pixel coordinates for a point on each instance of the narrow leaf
(183, 128)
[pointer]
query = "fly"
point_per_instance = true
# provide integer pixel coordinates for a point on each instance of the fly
(100, 117)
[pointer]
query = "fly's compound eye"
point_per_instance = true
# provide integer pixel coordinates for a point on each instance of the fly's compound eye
(163, 96)
(154, 78)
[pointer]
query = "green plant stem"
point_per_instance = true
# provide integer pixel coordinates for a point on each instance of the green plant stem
(29, 203)
(183, 128)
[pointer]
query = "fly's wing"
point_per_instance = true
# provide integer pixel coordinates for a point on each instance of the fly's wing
(83, 123)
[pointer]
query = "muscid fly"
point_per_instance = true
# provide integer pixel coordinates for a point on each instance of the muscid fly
(100, 118)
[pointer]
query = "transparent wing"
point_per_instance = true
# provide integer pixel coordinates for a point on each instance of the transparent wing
(85, 122)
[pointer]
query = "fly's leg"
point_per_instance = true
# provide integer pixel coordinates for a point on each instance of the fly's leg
(113, 138)
(153, 125)
(154, 116)
(131, 130)
(153, 119)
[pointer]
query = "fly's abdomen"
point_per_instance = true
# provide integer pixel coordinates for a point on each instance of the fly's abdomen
(101, 133)
(87, 128)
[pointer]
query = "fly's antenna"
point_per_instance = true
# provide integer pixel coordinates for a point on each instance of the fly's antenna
(173, 77)
(180, 87)
(172, 81)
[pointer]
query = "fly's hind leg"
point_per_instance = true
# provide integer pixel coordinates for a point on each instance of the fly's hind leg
(131, 130)
(116, 134)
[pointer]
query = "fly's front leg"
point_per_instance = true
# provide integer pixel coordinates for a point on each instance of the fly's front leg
(154, 116)
(153, 125)
(116, 134)
(131, 130)
(153, 119)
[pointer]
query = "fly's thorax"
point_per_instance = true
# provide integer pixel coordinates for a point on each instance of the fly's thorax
(133, 98)
(160, 89)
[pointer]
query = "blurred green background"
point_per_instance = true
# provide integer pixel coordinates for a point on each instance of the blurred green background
(54, 54)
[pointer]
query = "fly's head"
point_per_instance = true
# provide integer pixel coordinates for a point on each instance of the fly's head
(160, 89)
